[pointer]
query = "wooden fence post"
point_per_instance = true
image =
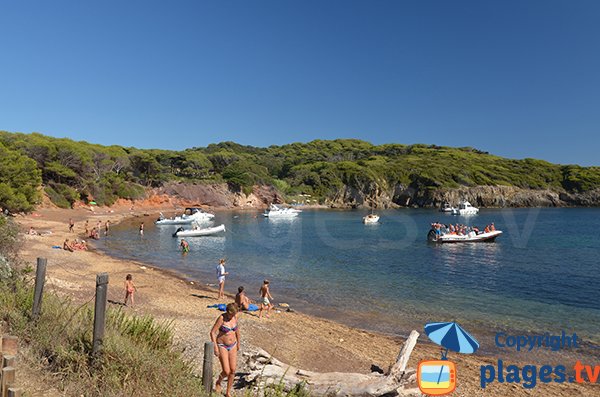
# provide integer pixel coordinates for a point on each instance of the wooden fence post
(14, 392)
(207, 367)
(99, 312)
(10, 345)
(40, 279)
(8, 379)
(9, 361)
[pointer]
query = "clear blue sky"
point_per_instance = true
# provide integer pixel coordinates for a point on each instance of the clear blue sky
(515, 78)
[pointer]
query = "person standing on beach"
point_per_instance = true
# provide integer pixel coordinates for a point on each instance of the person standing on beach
(71, 225)
(129, 289)
(87, 228)
(142, 229)
(221, 273)
(225, 335)
(265, 299)
(106, 227)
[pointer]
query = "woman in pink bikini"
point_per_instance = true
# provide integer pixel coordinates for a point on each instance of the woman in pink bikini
(225, 335)
(129, 289)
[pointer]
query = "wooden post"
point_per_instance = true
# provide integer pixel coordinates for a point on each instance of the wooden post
(207, 367)
(10, 345)
(40, 279)
(9, 361)
(99, 312)
(8, 379)
(14, 392)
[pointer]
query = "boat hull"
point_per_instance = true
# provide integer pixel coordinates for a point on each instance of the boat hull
(201, 232)
(453, 238)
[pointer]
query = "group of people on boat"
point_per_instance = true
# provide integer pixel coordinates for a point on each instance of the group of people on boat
(459, 229)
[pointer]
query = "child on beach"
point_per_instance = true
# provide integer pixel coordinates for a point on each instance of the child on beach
(185, 246)
(265, 299)
(129, 289)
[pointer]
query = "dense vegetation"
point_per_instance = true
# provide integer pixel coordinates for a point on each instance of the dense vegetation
(71, 171)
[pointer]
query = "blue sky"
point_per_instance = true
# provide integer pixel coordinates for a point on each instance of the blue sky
(515, 78)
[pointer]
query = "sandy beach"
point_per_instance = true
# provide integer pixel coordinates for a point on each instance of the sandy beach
(304, 341)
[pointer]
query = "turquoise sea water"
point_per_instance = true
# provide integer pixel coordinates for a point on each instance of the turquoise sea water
(541, 275)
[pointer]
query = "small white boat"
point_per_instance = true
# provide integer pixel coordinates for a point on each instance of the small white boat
(465, 208)
(370, 219)
(470, 237)
(190, 216)
(279, 212)
(200, 232)
(446, 207)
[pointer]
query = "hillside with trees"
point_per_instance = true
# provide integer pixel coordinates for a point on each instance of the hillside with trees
(343, 171)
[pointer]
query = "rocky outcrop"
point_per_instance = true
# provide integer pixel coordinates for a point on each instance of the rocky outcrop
(220, 195)
(479, 196)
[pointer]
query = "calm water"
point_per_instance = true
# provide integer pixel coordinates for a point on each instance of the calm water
(541, 275)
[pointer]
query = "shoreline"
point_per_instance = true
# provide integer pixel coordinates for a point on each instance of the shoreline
(300, 339)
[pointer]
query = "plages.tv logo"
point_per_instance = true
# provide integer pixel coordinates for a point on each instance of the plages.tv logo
(438, 377)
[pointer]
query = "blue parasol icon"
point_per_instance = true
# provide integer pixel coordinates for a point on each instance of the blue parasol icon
(451, 336)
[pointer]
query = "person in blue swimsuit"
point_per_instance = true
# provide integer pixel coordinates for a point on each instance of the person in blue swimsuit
(225, 335)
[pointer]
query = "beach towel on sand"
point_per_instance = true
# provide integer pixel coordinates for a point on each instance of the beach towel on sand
(223, 307)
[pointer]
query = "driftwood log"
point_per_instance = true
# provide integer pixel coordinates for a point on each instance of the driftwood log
(267, 371)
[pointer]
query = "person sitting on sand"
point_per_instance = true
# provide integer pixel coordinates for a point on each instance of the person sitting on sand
(225, 335)
(241, 300)
(266, 298)
(129, 289)
(67, 246)
(32, 231)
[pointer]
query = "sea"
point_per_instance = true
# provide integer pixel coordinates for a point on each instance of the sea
(542, 275)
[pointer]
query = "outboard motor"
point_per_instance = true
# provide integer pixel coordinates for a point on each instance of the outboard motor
(179, 229)
(431, 235)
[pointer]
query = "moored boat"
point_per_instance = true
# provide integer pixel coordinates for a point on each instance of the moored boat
(190, 216)
(197, 232)
(446, 207)
(275, 211)
(370, 219)
(465, 208)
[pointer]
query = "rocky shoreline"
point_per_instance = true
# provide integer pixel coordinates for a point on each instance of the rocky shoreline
(224, 196)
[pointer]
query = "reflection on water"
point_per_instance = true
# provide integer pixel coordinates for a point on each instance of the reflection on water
(536, 276)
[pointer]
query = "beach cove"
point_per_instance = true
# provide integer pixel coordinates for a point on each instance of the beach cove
(305, 341)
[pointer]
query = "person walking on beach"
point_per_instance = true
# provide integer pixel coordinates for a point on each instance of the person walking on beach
(221, 273)
(225, 335)
(265, 299)
(71, 225)
(129, 289)
(87, 228)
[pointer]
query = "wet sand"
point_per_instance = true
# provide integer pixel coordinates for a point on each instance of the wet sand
(305, 341)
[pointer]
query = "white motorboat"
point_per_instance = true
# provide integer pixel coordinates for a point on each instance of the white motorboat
(198, 232)
(370, 219)
(190, 216)
(280, 212)
(446, 207)
(465, 208)
(470, 237)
